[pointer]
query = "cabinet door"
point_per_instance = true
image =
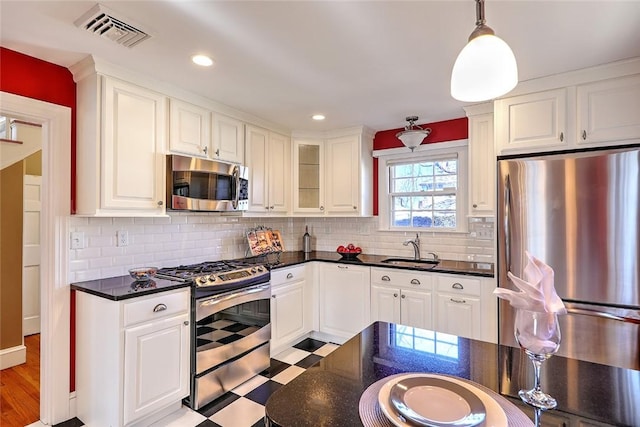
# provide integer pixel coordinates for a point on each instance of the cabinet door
(279, 170)
(609, 110)
(416, 309)
(532, 122)
(345, 306)
(459, 315)
(342, 180)
(257, 145)
(156, 366)
(287, 313)
(482, 165)
(189, 128)
(385, 304)
(228, 139)
(308, 176)
(133, 167)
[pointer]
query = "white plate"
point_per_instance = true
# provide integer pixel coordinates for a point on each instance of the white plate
(495, 416)
(436, 402)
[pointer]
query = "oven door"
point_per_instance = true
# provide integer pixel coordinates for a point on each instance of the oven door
(231, 324)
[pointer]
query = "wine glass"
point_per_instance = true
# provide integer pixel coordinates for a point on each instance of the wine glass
(538, 334)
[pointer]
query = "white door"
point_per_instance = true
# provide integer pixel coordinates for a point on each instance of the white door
(31, 255)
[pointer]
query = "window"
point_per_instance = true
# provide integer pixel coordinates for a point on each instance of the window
(424, 190)
(426, 341)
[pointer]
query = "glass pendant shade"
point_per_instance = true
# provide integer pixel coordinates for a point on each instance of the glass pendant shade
(412, 138)
(485, 69)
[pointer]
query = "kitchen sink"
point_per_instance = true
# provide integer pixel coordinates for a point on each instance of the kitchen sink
(425, 264)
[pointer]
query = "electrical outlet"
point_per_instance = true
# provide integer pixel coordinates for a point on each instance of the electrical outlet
(77, 240)
(122, 238)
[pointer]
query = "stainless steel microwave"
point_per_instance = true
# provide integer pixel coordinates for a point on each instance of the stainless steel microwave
(195, 184)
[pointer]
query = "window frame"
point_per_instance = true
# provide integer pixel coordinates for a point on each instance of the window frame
(427, 152)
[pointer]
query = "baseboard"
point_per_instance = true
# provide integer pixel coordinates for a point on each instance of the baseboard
(13, 356)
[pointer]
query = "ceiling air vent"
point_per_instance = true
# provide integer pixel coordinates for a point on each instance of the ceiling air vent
(101, 21)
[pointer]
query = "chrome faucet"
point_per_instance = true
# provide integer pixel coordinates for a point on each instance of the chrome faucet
(416, 246)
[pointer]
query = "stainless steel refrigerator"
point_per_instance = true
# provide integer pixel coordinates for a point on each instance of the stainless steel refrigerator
(580, 213)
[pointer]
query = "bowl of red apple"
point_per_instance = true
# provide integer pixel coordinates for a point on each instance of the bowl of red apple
(349, 252)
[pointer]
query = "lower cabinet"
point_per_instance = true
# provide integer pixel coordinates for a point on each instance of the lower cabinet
(132, 357)
(345, 303)
(290, 311)
(401, 297)
(466, 307)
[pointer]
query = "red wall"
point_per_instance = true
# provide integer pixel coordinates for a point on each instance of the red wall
(448, 130)
(33, 78)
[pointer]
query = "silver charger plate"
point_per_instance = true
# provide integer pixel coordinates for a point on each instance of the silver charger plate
(436, 402)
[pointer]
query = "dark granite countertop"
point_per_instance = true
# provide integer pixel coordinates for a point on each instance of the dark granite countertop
(467, 268)
(124, 287)
(328, 393)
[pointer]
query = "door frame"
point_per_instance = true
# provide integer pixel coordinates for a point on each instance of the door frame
(55, 302)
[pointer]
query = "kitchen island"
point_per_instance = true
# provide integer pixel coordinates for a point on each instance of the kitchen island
(328, 394)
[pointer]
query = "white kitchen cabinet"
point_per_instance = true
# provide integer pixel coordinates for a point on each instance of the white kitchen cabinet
(466, 306)
(189, 129)
(290, 307)
(132, 357)
(120, 148)
(333, 175)
(403, 297)
(482, 160)
(344, 299)
(268, 157)
(608, 110)
(228, 139)
(533, 122)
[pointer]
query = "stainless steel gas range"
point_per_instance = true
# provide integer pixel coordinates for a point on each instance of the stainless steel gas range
(231, 326)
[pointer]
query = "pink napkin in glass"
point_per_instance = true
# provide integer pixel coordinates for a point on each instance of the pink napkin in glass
(537, 293)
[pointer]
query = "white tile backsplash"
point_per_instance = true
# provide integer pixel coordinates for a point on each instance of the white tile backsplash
(190, 238)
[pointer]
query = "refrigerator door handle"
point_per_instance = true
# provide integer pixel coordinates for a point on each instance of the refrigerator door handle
(507, 221)
(595, 313)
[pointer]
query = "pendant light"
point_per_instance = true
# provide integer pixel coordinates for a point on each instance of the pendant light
(413, 134)
(486, 67)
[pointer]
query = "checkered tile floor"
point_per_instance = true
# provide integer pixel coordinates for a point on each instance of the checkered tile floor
(244, 405)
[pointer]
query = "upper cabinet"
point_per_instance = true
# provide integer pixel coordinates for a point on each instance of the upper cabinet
(482, 160)
(586, 108)
(333, 175)
(268, 157)
(189, 129)
(609, 110)
(228, 139)
(533, 121)
(120, 168)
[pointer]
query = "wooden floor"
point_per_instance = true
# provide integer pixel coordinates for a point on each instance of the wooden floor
(20, 388)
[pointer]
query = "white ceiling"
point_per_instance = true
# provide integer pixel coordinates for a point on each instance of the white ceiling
(360, 63)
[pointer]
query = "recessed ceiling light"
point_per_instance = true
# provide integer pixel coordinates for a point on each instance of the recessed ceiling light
(318, 117)
(202, 60)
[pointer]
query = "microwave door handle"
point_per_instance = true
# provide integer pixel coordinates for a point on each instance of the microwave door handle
(236, 179)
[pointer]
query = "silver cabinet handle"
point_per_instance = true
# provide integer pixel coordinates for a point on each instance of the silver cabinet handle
(185, 323)
(218, 152)
(160, 202)
(561, 136)
(321, 208)
(458, 301)
(457, 286)
(415, 282)
(385, 278)
(205, 150)
(403, 296)
(355, 208)
(290, 275)
(475, 205)
(273, 296)
(270, 207)
(584, 135)
(395, 295)
(343, 266)
(159, 307)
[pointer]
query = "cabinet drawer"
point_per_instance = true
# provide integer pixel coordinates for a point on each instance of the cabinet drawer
(402, 278)
(458, 285)
(283, 276)
(156, 306)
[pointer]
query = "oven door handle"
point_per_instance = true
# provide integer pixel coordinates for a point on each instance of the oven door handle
(218, 299)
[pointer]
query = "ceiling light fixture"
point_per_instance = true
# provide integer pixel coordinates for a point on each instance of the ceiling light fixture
(486, 67)
(318, 117)
(413, 134)
(202, 60)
